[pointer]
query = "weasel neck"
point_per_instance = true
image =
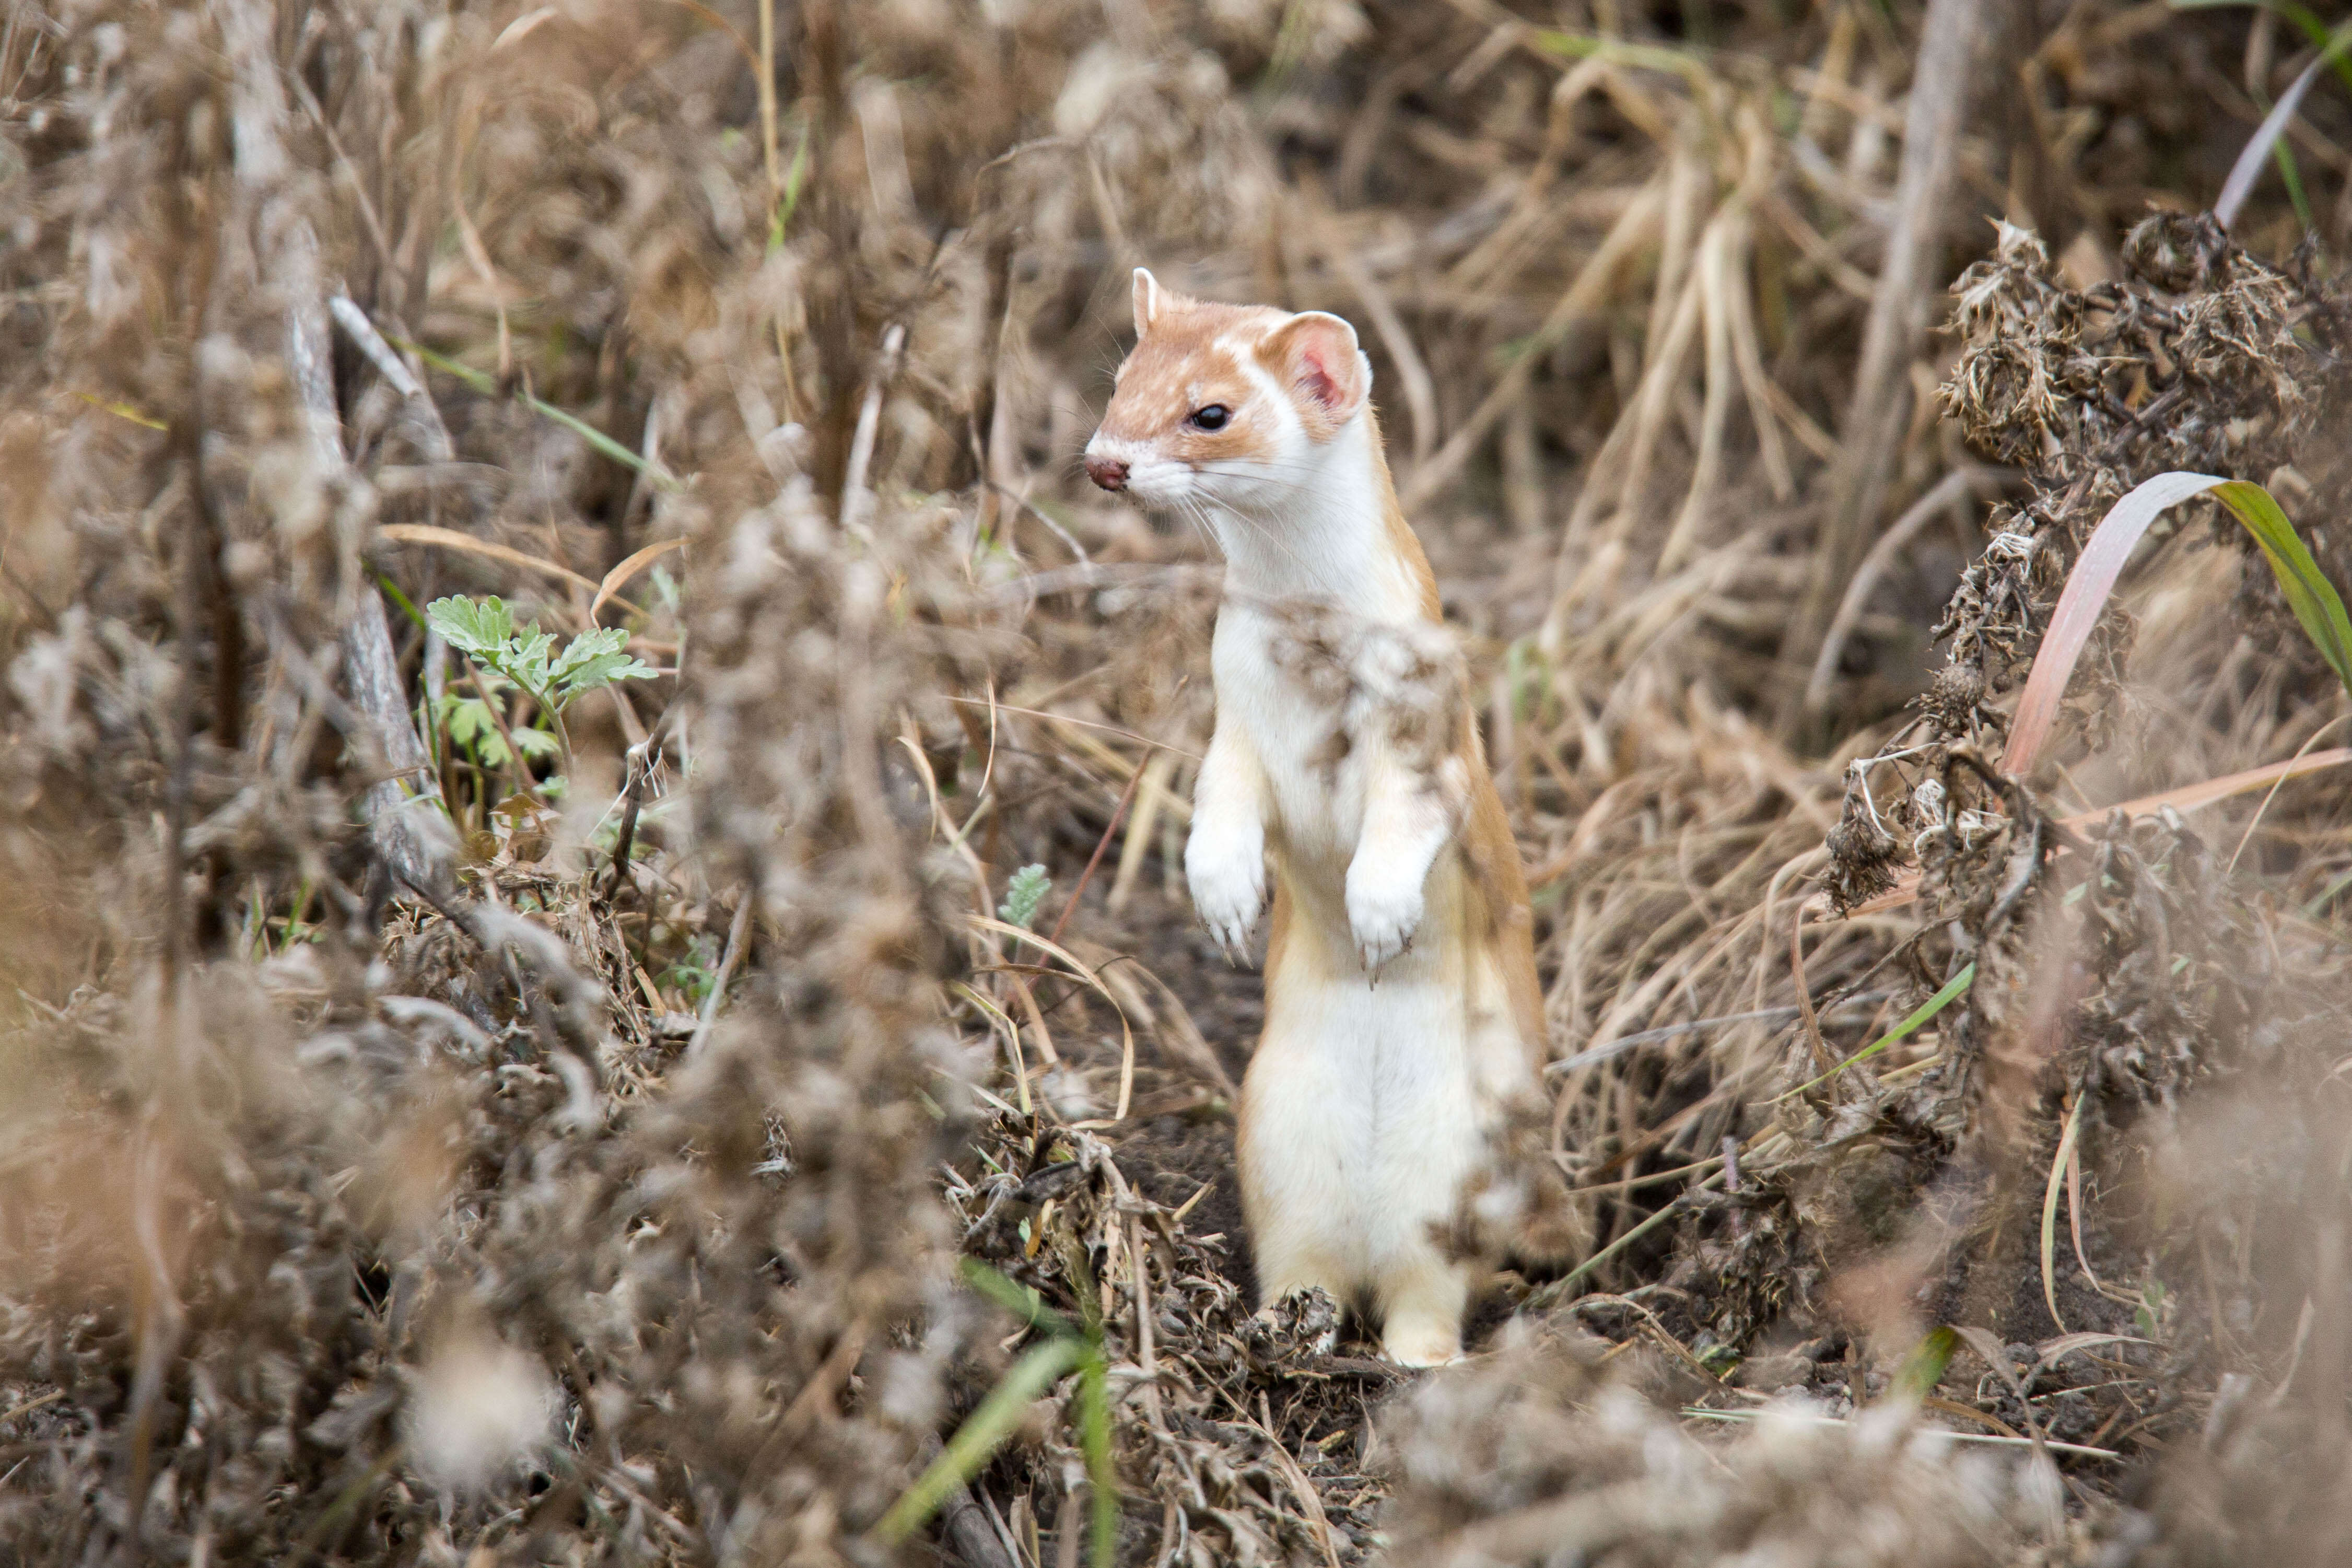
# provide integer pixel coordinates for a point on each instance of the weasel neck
(1336, 534)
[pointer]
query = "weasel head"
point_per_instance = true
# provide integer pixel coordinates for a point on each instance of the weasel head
(1238, 406)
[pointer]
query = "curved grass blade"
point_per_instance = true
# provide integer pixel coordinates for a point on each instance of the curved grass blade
(2308, 593)
(1126, 1030)
(618, 577)
(450, 539)
(978, 1438)
(2050, 1209)
(1928, 1009)
(2269, 136)
(2301, 18)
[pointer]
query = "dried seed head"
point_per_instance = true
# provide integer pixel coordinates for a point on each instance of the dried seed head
(477, 1406)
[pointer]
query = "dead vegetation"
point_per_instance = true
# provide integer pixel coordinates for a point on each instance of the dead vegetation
(407, 1159)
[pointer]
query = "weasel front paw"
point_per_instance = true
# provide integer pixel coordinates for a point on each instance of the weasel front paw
(1384, 912)
(1227, 873)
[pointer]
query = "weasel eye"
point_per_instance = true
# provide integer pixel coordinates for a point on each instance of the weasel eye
(1213, 418)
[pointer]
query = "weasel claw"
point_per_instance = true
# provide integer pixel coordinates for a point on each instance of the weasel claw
(1383, 925)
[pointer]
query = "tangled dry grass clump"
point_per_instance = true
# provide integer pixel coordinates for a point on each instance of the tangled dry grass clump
(771, 1101)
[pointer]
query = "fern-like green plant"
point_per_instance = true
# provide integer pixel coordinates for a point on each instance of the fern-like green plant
(485, 632)
(472, 728)
(1024, 894)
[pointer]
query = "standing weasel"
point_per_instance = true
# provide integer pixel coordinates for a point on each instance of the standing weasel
(1403, 1033)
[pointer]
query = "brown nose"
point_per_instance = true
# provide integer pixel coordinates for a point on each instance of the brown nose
(1107, 472)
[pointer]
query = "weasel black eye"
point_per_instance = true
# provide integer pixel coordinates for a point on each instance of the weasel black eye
(1213, 418)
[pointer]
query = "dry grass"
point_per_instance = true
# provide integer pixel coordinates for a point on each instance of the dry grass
(393, 1169)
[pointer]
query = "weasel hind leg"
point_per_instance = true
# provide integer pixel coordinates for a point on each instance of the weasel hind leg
(1421, 1300)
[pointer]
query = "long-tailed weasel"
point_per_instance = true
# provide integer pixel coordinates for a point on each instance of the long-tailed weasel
(1403, 1035)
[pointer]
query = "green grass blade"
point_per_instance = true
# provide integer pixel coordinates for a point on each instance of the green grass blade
(2301, 18)
(1928, 1009)
(407, 608)
(1688, 64)
(605, 443)
(2329, 892)
(2292, 175)
(1093, 1437)
(2309, 594)
(782, 218)
(2270, 137)
(483, 382)
(1016, 1299)
(978, 1438)
(1924, 1367)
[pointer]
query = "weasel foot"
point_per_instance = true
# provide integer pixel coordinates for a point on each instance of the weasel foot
(1417, 1341)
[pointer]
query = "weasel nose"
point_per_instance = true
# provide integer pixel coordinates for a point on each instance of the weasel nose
(1107, 472)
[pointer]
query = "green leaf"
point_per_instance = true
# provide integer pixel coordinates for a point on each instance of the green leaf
(605, 669)
(589, 645)
(472, 727)
(471, 625)
(594, 659)
(484, 631)
(469, 726)
(978, 1438)
(2148, 1316)
(524, 661)
(693, 974)
(1024, 894)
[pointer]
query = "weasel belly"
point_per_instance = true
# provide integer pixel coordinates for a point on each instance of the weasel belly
(1369, 1104)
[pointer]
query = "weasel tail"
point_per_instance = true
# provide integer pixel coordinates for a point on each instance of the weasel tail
(1391, 1140)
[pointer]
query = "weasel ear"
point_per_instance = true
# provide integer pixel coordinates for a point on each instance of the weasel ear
(1315, 354)
(1147, 300)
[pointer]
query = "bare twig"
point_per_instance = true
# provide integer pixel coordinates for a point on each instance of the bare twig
(292, 266)
(857, 499)
(969, 1532)
(369, 342)
(1880, 410)
(1119, 814)
(643, 758)
(710, 1003)
(1943, 493)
